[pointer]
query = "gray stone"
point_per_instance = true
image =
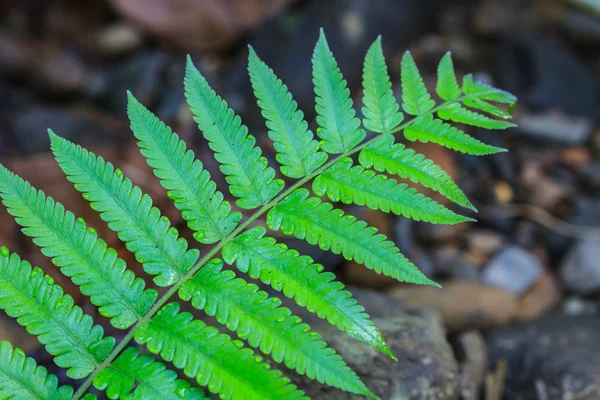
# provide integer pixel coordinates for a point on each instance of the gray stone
(513, 269)
(557, 357)
(580, 270)
(426, 368)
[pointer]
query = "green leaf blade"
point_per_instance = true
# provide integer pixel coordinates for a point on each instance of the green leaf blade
(246, 170)
(427, 129)
(22, 379)
(78, 251)
(188, 183)
(268, 326)
(128, 211)
(320, 224)
(447, 85)
(355, 185)
(41, 306)
(381, 111)
(385, 156)
(339, 128)
(298, 277)
(133, 376)
(415, 98)
(212, 358)
(297, 150)
(456, 113)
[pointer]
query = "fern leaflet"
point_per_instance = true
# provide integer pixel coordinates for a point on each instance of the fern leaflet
(339, 129)
(456, 113)
(297, 151)
(385, 156)
(212, 358)
(22, 379)
(128, 212)
(348, 184)
(40, 306)
(447, 86)
(248, 175)
(79, 252)
(138, 377)
(427, 129)
(267, 326)
(299, 278)
(381, 111)
(320, 224)
(415, 98)
(188, 183)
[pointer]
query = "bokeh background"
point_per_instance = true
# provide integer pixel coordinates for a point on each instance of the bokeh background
(518, 315)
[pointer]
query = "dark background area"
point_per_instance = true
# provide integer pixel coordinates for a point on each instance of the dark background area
(519, 307)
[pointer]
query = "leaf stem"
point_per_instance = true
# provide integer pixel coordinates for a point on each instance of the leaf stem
(233, 235)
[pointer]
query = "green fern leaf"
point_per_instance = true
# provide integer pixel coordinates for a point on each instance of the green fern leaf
(427, 129)
(246, 170)
(415, 98)
(355, 185)
(320, 224)
(212, 358)
(40, 306)
(79, 252)
(456, 113)
(447, 86)
(485, 92)
(127, 211)
(304, 281)
(385, 156)
(268, 326)
(22, 379)
(135, 377)
(297, 151)
(486, 107)
(188, 183)
(339, 129)
(381, 111)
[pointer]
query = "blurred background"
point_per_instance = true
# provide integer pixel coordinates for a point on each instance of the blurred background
(518, 315)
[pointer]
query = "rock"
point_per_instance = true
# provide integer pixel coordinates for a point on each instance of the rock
(463, 304)
(557, 357)
(472, 358)
(193, 25)
(541, 298)
(484, 241)
(580, 270)
(513, 269)
(544, 191)
(117, 39)
(575, 305)
(439, 233)
(426, 368)
(576, 157)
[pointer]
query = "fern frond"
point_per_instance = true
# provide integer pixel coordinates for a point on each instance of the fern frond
(246, 170)
(381, 111)
(456, 113)
(427, 129)
(348, 184)
(486, 92)
(339, 128)
(212, 358)
(128, 211)
(40, 306)
(138, 377)
(447, 85)
(320, 224)
(78, 251)
(188, 183)
(22, 379)
(415, 98)
(267, 326)
(385, 156)
(298, 277)
(297, 150)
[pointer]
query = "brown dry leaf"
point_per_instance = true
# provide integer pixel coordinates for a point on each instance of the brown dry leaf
(198, 25)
